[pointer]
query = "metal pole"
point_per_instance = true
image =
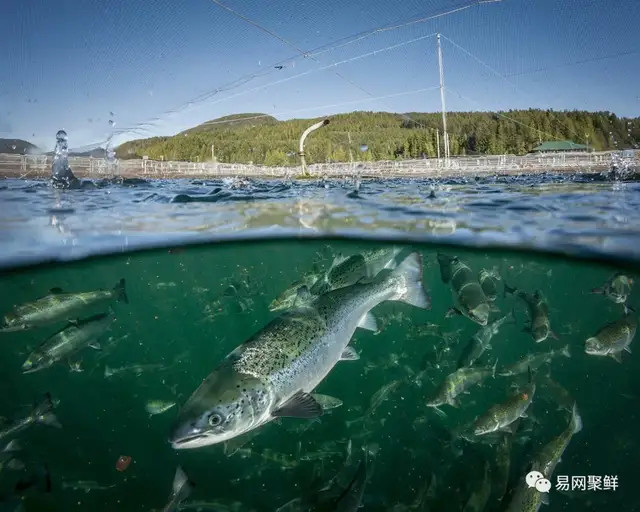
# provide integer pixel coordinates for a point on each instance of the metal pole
(438, 143)
(303, 137)
(444, 108)
(350, 153)
(213, 154)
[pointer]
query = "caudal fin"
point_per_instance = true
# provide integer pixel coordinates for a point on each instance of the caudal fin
(576, 419)
(182, 487)
(120, 292)
(410, 286)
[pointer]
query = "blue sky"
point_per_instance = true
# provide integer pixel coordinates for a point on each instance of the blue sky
(69, 63)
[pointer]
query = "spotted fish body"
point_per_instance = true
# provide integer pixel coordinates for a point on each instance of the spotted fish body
(67, 342)
(529, 499)
(458, 382)
(468, 297)
(282, 363)
(534, 361)
(617, 288)
(356, 268)
(288, 298)
(612, 339)
(500, 416)
(58, 307)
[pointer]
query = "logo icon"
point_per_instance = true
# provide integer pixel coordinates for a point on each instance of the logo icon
(537, 480)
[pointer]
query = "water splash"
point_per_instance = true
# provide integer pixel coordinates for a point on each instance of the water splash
(61, 174)
(112, 161)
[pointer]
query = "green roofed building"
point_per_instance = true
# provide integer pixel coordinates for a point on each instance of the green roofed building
(559, 146)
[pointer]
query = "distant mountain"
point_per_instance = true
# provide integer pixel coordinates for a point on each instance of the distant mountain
(361, 136)
(18, 147)
(95, 153)
(248, 120)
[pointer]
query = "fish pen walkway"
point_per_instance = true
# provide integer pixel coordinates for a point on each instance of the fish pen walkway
(33, 166)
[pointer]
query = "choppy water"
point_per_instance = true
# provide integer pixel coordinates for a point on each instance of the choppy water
(579, 215)
(190, 306)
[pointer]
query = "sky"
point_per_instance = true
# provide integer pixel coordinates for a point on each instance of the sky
(163, 66)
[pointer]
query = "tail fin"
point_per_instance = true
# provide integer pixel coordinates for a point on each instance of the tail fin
(120, 292)
(182, 486)
(576, 420)
(565, 351)
(410, 273)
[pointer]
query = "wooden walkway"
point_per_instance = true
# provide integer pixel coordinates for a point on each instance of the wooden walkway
(32, 166)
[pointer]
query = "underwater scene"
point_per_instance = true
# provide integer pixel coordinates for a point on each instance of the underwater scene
(320, 375)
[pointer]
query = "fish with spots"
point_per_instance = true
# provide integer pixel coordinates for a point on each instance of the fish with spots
(468, 296)
(59, 306)
(273, 373)
(540, 327)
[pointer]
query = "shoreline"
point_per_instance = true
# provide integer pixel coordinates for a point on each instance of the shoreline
(39, 166)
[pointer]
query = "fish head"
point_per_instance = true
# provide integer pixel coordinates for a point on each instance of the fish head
(10, 321)
(594, 346)
(227, 404)
(480, 314)
(36, 361)
(540, 333)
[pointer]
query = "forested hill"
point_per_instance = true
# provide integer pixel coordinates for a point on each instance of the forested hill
(260, 138)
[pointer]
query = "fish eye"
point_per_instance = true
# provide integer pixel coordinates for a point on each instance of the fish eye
(215, 419)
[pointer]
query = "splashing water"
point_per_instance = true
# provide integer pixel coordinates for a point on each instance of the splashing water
(61, 174)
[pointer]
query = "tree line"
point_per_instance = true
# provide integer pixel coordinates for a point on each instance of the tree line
(366, 136)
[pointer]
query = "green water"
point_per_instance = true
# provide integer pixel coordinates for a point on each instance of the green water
(183, 314)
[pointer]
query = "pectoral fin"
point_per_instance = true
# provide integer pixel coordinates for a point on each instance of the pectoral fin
(617, 356)
(627, 349)
(452, 312)
(95, 345)
(349, 354)
(368, 321)
(300, 405)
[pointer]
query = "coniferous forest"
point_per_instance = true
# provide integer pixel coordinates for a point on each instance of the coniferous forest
(261, 139)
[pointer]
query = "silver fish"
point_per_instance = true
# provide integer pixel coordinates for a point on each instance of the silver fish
(480, 342)
(73, 338)
(136, 369)
(488, 281)
(40, 414)
(272, 374)
(154, 407)
(540, 328)
(58, 307)
(534, 361)
(617, 288)
(614, 338)
(500, 416)
(468, 297)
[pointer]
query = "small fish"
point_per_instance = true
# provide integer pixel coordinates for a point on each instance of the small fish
(376, 400)
(357, 268)
(558, 393)
(540, 328)
(502, 466)
(468, 297)
(59, 307)
(458, 382)
(136, 369)
(154, 407)
(40, 414)
(290, 297)
(163, 286)
(180, 491)
(534, 361)
(327, 402)
(614, 338)
(272, 374)
(214, 506)
(499, 417)
(489, 282)
(66, 342)
(85, 485)
(481, 341)
(617, 288)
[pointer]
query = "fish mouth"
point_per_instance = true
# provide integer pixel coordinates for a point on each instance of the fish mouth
(193, 441)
